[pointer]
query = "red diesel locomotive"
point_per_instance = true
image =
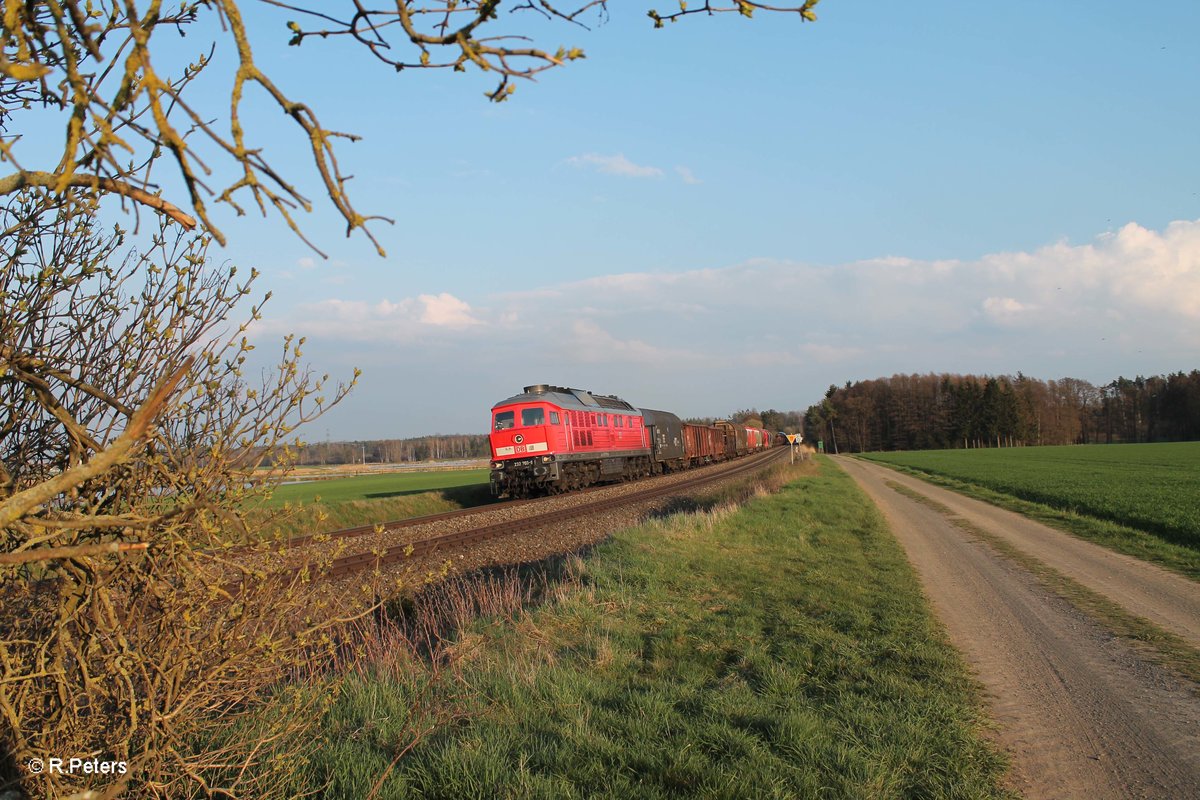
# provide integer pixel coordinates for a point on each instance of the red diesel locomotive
(552, 439)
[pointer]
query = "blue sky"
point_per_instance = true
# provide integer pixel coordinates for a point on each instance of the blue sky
(731, 213)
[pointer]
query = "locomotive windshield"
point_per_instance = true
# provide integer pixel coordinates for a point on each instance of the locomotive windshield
(532, 416)
(504, 420)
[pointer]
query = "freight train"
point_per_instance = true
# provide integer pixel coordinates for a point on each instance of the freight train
(551, 439)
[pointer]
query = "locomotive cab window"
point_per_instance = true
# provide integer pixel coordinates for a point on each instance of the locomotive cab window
(532, 416)
(504, 420)
(553, 417)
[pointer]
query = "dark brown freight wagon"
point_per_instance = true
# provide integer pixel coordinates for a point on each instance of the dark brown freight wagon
(703, 444)
(735, 438)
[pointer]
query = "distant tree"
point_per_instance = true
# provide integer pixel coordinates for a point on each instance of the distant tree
(785, 421)
(1083, 400)
(814, 424)
(1177, 406)
(829, 413)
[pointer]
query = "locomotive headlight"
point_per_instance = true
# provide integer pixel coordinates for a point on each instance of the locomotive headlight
(497, 465)
(547, 459)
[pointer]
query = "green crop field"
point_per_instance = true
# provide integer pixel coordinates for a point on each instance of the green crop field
(375, 487)
(328, 505)
(1153, 488)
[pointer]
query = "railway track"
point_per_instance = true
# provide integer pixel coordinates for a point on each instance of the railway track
(437, 545)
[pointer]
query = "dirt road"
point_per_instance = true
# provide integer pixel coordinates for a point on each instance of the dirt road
(1082, 714)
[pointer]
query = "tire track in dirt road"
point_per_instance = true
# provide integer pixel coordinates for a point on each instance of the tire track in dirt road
(1082, 713)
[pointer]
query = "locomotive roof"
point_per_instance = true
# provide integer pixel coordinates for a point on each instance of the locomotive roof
(578, 399)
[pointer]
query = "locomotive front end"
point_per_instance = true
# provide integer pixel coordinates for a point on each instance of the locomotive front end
(524, 446)
(552, 439)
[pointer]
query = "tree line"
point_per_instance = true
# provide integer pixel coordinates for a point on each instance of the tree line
(438, 447)
(921, 412)
(904, 412)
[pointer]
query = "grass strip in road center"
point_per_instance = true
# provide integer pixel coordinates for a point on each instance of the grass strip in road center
(781, 648)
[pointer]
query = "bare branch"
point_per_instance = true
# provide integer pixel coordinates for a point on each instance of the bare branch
(78, 551)
(60, 182)
(23, 503)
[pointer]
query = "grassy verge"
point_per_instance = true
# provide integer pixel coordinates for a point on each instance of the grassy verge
(1123, 539)
(777, 649)
(1159, 645)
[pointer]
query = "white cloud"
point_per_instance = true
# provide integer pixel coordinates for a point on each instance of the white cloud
(907, 305)
(614, 165)
(1004, 309)
(589, 343)
(800, 356)
(306, 262)
(384, 321)
(446, 310)
(1159, 270)
(1135, 274)
(686, 175)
